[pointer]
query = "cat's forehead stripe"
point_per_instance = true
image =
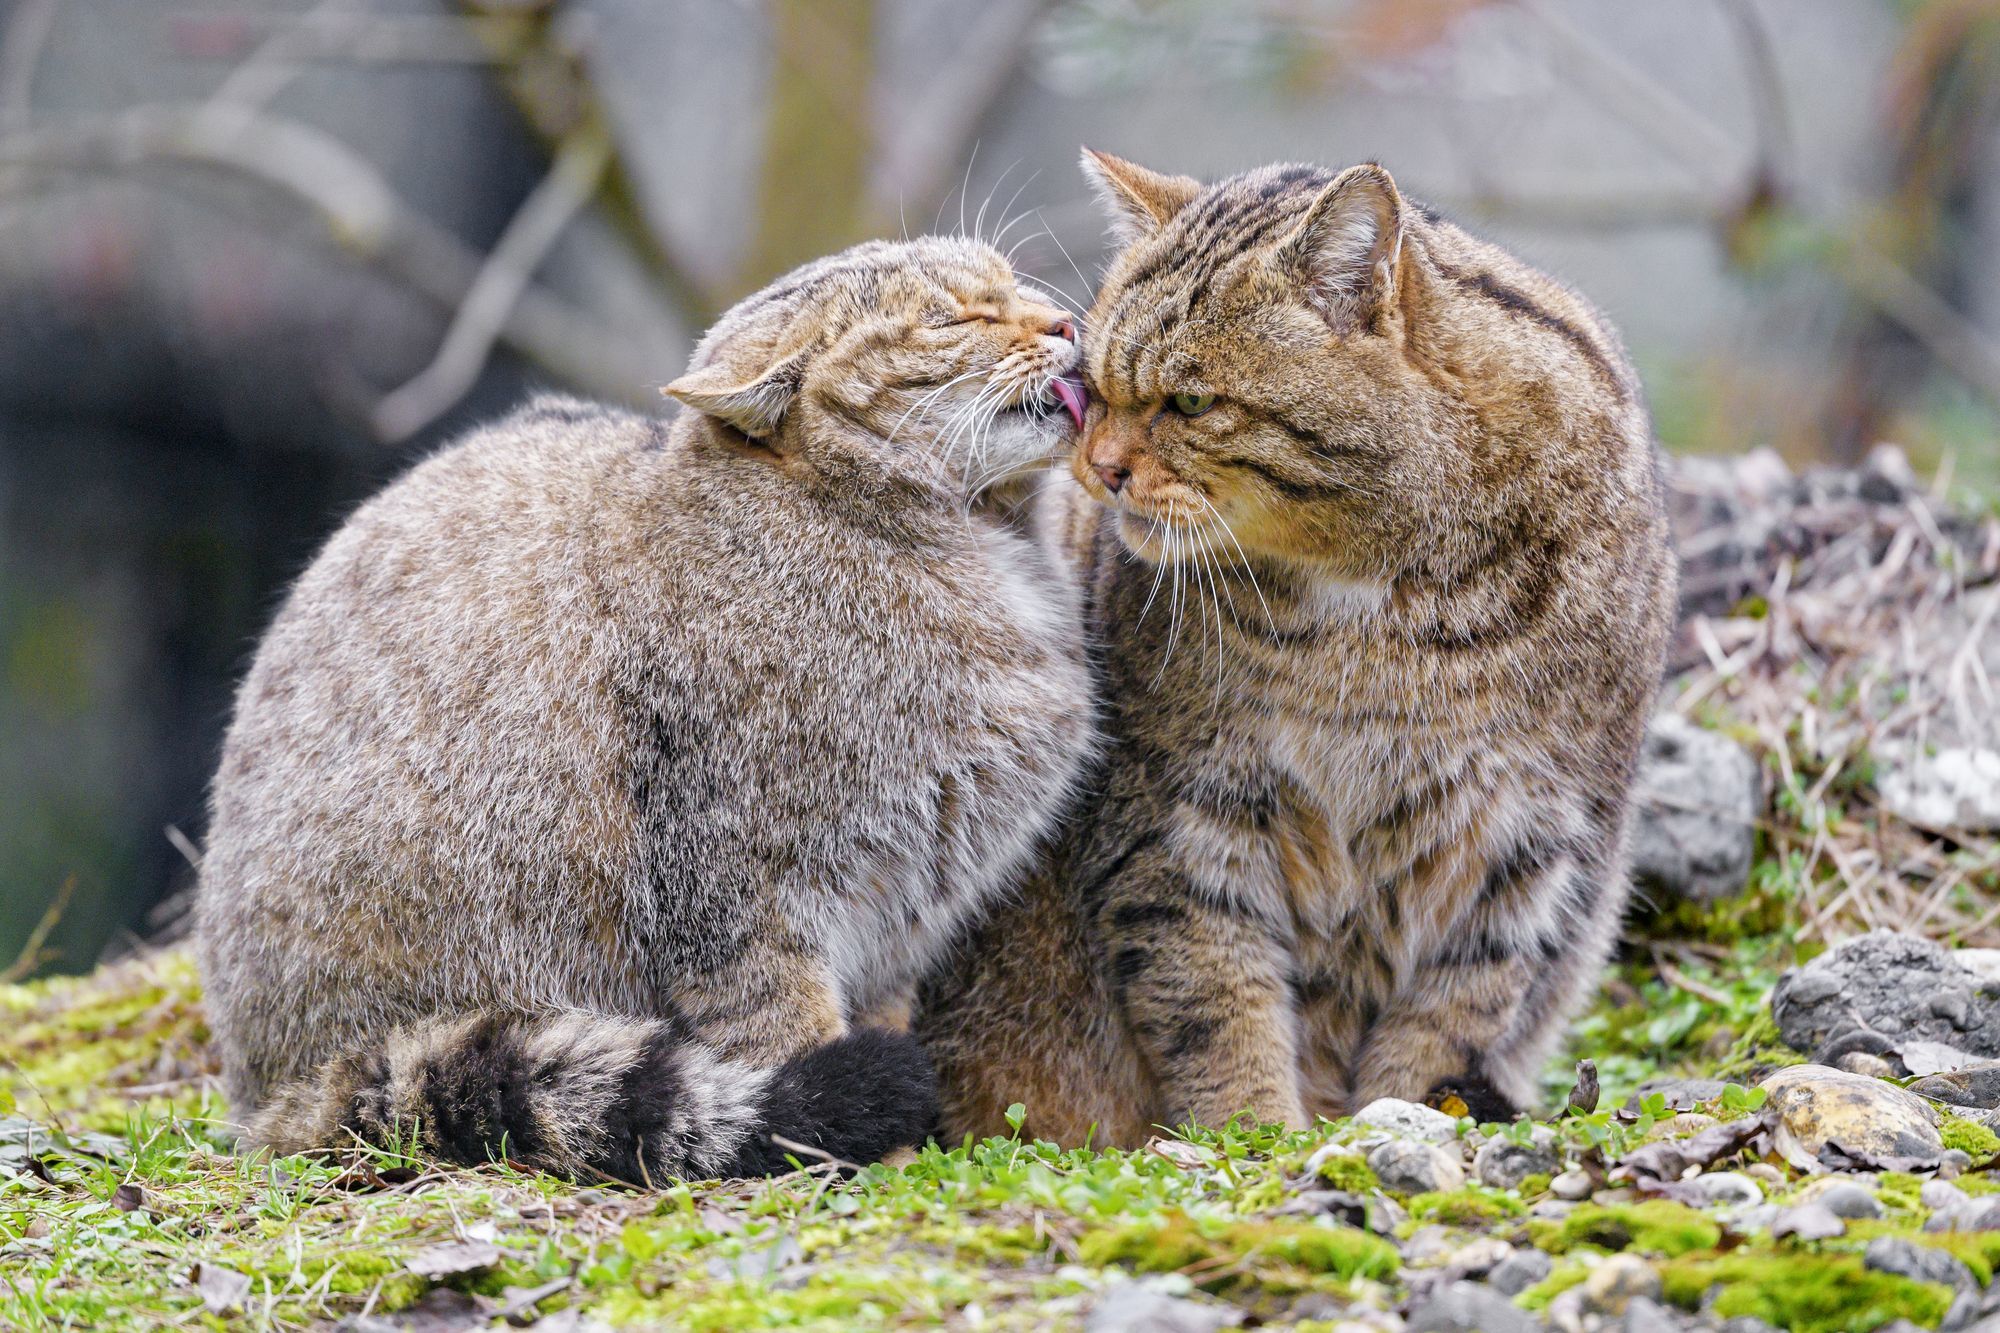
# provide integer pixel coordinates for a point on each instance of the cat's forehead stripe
(1226, 221)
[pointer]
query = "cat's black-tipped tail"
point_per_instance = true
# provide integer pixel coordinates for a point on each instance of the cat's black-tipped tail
(596, 1097)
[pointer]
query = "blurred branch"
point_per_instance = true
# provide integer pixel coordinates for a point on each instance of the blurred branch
(921, 164)
(550, 208)
(356, 205)
(552, 89)
(21, 46)
(1871, 275)
(1590, 212)
(32, 954)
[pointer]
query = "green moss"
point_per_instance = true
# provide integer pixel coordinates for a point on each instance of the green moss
(1656, 1226)
(1535, 1185)
(1350, 1172)
(1803, 1291)
(1898, 1190)
(1215, 1253)
(1561, 1278)
(1969, 1137)
(1473, 1206)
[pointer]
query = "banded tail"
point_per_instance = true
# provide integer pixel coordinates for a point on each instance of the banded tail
(591, 1096)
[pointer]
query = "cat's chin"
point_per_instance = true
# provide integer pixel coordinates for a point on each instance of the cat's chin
(1156, 540)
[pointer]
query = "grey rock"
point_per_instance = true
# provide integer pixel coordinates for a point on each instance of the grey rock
(1906, 1258)
(1139, 1307)
(1613, 1284)
(1808, 1221)
(1696, 799)
(1757, 1217)
(1645, 1315)
(1747, 1323)
(1975, 1215)
(1958, 787)
(1726, 1189)
(1519, 1271)
(1407, 1120)
(1572, 1186)
(1937, 1195)
(1893, 986)
(1850, 1201)
(1466, 1307)
(1975, 1085)
(1504, 1164)
(1682, 1094)
(1817, 1106)
(1407, 1167)
(1952, 1163)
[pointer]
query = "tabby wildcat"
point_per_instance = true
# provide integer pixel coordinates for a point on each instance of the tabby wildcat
(603, 774)
(1359, 827)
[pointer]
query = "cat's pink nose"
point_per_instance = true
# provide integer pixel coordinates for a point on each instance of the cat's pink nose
(1063, 328)
(1113, 476)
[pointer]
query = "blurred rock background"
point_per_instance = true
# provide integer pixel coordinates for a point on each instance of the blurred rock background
(255, 255)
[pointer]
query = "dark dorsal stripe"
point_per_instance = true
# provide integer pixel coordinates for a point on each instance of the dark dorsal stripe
(1517, 302)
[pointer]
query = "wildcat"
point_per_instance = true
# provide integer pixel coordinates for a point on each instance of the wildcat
(1359, 826)
(603, 776)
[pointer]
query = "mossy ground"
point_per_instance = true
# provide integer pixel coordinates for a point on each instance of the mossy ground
(118, 1193)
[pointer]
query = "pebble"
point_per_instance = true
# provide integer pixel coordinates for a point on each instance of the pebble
(1952, 1163)
(1974, 1215)
(1139, 1307)
(1843, 1198)
(1681, 1094)
(1726, 1189)
(1479, 1258)
(1685, 1125)
(1866, 1065)
(1645, 1315)
(1695, 802)
(1941, 1194)
(1466, 1307)
(1571, 1185)
(1407, 1167)
(1808, 1221)
(1764, 1172)
(1519, 1271)
(1504, 1164)
(1407, 1120)
(1893, 1254)
(1815, 1104)
(1613, 1283)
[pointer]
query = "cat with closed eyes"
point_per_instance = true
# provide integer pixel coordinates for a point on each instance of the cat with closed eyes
(603, 787)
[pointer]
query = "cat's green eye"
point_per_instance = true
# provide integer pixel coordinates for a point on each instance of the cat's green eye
(1193, 404)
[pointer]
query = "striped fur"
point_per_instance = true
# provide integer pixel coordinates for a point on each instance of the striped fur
(1374, 685)
(687, 744)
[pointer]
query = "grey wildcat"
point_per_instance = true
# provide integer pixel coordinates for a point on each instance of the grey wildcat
(604, 778)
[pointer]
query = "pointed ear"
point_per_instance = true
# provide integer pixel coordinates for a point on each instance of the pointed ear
(755, 406)
(1138, 201)
(1344, 253)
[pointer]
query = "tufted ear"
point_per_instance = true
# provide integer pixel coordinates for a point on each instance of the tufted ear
(755, 406)
(1139, 201)
(1344, 252)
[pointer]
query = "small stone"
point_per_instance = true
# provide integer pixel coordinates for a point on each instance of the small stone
(1519, 1271)
(1843, 1198)
(1952, 1163)
(1764, 1173)
(1941, 1195)
(1613, 1283)
(1958, 787)
(1407, 1120)
(1645, 1315)
(1406, 1167)
(1893, 1254)
(1681, 1094)
(1477, 1259)
(1551, 1210)
(1466, 1307)
(1866, 1065)
(1808, 1221)
(1696, 799)
(1816, 1105)
(1139, 1307)
(1685, 1125)
(1574, 1186)
(1975, 1085)
(1726, 1189)
(1757, 1217)
(1504, 1164)
(1973, 1215)
(1427, 1245)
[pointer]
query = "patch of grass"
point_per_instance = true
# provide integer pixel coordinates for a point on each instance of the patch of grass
(1656, 1226)
(1472, 1206)
(1969, 1137)
(1803, 1291)
(1216, 1254)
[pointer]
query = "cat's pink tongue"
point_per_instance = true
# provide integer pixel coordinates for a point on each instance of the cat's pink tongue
(1075, 398)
